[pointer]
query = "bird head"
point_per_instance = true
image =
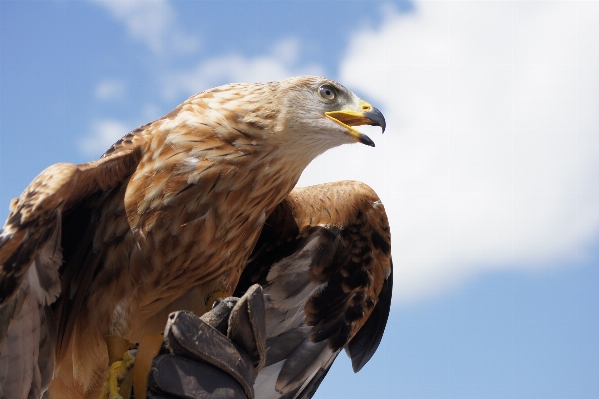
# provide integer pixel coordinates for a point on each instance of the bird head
(322, 113)
(299, 118)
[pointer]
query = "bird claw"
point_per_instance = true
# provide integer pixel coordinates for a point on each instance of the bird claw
(119, 369)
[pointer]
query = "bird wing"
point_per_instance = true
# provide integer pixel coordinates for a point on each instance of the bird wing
(324, 260)
(31, 257)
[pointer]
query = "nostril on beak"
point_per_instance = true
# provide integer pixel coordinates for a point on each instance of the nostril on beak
(365, 106)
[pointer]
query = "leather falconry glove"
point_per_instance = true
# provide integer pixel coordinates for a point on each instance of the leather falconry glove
(215, 356)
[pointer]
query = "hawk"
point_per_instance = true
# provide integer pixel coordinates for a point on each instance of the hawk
(165, 220)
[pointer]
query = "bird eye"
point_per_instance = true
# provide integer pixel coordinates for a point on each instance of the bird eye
(327, 92)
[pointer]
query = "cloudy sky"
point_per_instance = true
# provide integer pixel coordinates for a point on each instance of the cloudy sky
(488, 169)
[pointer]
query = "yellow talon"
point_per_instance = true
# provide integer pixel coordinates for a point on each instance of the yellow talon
(116, 374)
(113, 384)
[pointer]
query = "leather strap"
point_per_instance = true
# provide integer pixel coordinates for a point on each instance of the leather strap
(116, 346)
(147, 350)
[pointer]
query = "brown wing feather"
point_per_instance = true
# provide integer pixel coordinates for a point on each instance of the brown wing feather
(80, 228)
(328, 247)
(36, 212)
(33, 235)
(360, 265)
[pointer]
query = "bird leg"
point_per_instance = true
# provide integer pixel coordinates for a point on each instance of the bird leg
(121, 360)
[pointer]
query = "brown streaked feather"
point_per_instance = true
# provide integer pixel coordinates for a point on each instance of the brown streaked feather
(324, 260)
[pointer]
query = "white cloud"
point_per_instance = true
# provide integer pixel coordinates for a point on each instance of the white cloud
(281, 61)
(490, 159)
(103, 134)
(110, 90)
(152, 22)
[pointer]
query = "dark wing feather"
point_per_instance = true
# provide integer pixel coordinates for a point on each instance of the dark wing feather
(81, 263)
(277, 240)
(31, 263)
(323, 259)
(53, 193)
(366, 341)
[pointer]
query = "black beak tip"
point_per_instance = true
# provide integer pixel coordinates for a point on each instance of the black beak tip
(382, 126)
(377, 118)
(364, 139)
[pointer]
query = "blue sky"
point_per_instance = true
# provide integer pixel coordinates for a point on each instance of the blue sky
(487, 169)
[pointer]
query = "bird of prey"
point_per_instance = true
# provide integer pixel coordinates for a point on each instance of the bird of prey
(165, 220)
(324, 262)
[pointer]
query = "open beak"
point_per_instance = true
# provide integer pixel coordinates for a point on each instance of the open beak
(368, 115)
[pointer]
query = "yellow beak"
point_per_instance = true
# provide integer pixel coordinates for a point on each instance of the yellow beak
(367, 115)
